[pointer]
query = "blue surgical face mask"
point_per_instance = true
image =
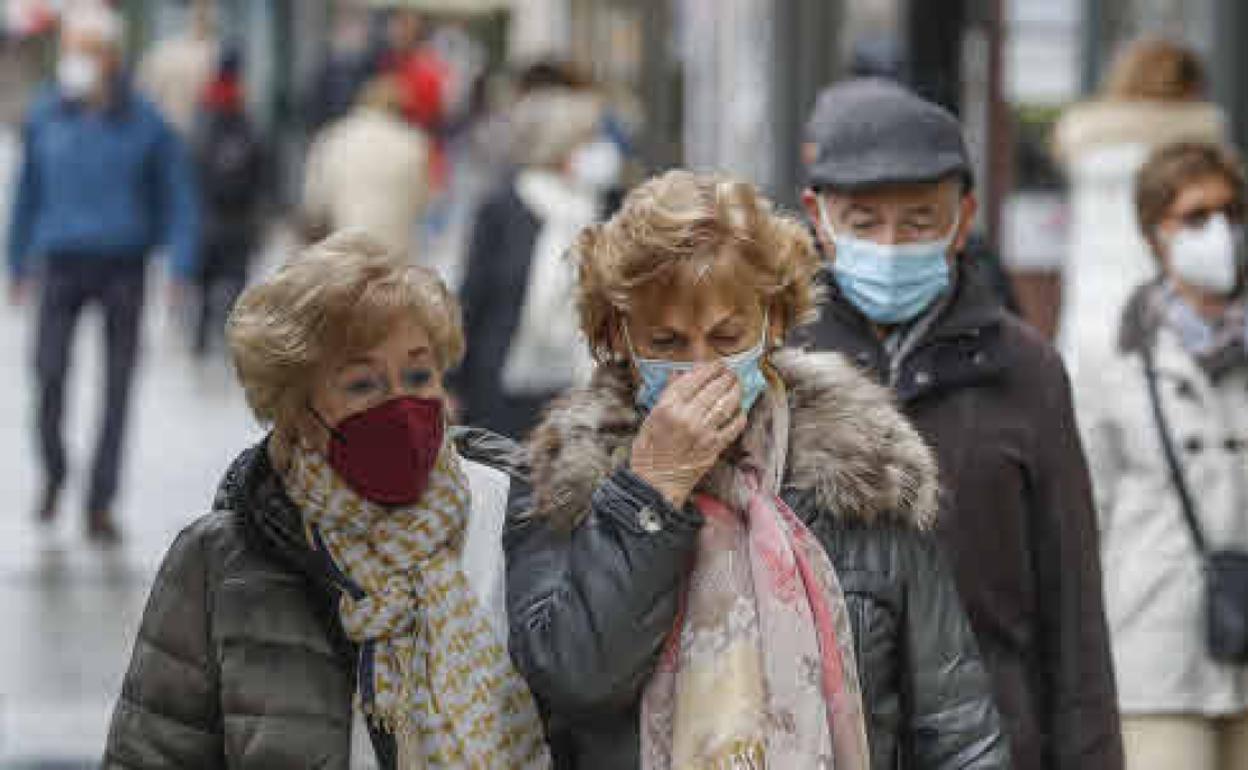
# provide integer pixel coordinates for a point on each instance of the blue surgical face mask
(656, 373)
(889, 283)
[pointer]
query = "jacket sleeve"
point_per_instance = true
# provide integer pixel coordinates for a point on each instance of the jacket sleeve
(475, 295)
(1077, 665)
(168, 714)
(177, 194)
(953, 721)
(1102, 441)
(589, 610)
(24, 208)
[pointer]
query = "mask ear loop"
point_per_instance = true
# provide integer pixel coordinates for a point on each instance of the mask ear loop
(825, 220)
(333, 432)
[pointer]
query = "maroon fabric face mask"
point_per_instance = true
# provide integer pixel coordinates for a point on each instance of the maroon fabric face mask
(387, 453)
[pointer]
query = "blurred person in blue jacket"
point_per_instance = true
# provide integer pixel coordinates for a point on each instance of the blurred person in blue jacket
(104, 180)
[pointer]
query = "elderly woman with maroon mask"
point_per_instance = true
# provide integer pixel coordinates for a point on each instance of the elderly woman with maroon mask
(343, 605)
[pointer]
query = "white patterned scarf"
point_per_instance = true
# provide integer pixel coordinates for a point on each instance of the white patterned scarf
(432, 671)
(759, 671)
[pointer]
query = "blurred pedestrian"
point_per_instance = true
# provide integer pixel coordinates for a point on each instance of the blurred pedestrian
(103, 181)
(337, 82)
(1187, 331)
(358, 537)
(231, 161)
(1155, 94)
(424, 81)
(370, 171)
(523, 347)
(893, 202)
(723, 559)
(175, 71)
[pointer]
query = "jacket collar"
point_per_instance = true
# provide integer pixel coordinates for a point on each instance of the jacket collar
(1143, 326)
(253, 488)
(961, 345)
(851, 454)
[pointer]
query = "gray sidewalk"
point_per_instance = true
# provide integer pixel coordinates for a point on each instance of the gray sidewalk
(72, 610)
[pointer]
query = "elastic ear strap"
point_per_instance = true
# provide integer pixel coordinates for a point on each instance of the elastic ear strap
(331, 429)
(822, 205)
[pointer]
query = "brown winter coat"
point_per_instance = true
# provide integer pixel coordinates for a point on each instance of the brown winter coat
(1016, 514)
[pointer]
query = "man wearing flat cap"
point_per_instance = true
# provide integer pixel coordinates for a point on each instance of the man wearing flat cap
(892, 199)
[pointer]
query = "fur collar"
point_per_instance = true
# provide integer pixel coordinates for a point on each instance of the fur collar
(851, 452)
(1099, 123)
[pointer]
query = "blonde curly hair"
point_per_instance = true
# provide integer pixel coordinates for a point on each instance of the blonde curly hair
(675, 229)
(337, 298)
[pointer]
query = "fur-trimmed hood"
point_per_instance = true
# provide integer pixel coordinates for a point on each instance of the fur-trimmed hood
(850, 450)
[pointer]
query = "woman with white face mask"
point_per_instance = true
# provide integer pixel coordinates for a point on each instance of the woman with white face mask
(1179, 377)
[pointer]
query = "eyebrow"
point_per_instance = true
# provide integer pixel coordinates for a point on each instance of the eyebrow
(728, 319)
(859, 208)
(418, 352)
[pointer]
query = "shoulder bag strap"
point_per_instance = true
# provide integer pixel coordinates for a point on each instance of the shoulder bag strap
(1172, 459)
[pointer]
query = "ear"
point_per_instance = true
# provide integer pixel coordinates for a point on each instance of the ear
(615, 335)
(775, 326)
(810, 202)
(968, 208)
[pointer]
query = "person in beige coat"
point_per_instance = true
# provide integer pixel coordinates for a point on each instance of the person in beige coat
(174, 73)
(1180, 708)
(1154, 95)
(370, 171)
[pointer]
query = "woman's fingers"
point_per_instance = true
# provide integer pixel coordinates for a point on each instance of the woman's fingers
(687, 387)
(725, 408)
(719, 385)
(733, 430)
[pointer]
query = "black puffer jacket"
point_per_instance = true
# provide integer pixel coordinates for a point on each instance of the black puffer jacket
(241, 661)
(595, 561)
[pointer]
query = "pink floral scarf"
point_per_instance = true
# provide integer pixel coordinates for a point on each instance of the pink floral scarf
(759, 671)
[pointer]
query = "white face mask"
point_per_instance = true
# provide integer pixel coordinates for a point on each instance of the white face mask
(1208, 257)
(595, 166)
(78, 74)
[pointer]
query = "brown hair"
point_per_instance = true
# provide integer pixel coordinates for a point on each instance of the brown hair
(1156, 69)
(336, 298)
(681, 220)
(1175, 166)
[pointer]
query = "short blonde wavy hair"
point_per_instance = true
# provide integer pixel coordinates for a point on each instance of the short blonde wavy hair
(683, 223)
(335, 299)
(1156, 69)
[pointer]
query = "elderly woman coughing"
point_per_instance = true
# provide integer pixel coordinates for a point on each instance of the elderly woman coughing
(343, 605)
(722, 561)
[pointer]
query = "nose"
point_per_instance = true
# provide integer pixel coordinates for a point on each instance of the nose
(701, 352)
(891, 235)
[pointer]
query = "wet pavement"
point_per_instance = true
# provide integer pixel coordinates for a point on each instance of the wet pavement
(71, 610)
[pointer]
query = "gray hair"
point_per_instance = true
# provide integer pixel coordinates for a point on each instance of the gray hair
(93, 19)
(549, 124)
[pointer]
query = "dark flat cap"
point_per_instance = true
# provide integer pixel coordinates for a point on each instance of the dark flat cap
(871, 132)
